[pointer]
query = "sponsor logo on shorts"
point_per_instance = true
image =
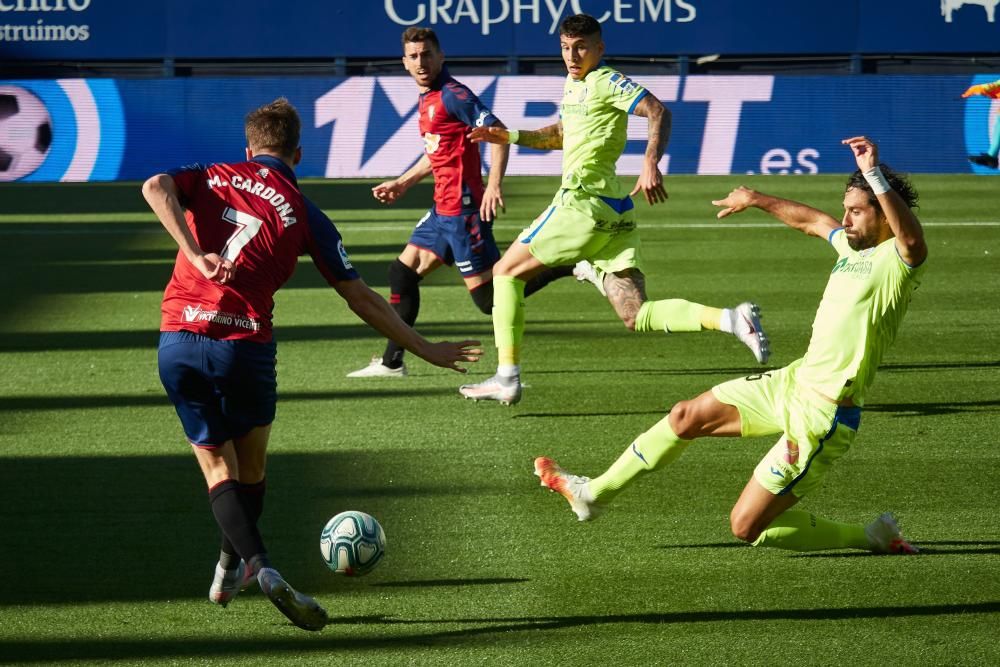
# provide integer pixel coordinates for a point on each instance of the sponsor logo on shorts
(614, 226)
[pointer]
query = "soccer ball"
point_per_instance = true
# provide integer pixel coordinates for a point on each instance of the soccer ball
(352, 543)
(25, 132)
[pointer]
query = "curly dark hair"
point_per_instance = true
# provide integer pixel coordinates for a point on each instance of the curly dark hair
(898, 182)
(580, 25)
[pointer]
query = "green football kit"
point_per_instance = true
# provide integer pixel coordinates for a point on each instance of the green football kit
(866, 297)
(591, 217)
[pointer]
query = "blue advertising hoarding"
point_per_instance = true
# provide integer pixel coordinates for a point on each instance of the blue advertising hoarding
(261, 29)
(103, 129)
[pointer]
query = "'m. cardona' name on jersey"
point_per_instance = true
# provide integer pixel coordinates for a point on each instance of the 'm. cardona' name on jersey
(265, 192)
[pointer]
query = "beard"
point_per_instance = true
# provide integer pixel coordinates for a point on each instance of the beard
(860, 242)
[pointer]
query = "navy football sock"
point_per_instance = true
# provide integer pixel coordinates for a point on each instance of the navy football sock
(235, 521)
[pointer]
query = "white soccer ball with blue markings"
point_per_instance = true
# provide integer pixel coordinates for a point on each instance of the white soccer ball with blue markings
(25, 132)
(352, 543)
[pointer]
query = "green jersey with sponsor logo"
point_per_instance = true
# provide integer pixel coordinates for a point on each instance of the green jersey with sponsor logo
(594, 115)
(862, 308)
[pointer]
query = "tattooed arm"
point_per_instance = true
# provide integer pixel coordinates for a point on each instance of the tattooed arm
(659, 119)
(547, 138)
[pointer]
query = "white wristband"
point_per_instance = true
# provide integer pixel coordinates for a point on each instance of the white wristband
(513, 136)
(876, 179)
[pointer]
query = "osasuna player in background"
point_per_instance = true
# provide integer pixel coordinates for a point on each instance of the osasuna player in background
(592, 217)
(815, 402)
(458, 229)
(240, 229)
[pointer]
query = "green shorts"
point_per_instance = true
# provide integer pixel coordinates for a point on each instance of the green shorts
(578, 225)
(815, 433)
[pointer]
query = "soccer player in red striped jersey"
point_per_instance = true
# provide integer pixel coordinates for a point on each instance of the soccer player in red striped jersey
(240, 229)
(458, 229)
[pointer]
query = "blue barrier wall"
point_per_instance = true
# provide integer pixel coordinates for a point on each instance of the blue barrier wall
(134, 29)
(104, 129)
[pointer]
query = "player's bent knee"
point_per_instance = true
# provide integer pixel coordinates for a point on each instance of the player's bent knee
(402, 278)
(744, 528)
(682, 421)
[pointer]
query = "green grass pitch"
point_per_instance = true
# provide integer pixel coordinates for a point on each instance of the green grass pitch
(108, 545)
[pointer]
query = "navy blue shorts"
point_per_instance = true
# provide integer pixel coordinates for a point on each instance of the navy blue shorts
(463, 240)
(221, 389)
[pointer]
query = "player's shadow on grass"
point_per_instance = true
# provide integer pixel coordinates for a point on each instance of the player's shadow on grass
(425, 583)
(120, 528)
(100, 402)
(709, 545)
(123, 339)
(339, 638)
(929, 548)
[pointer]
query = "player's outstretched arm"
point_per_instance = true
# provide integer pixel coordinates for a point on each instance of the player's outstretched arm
(388, 192)
(659, 119)
(160, 193)
(794, 214)
(904, 224)
(374, 310)
(547, 138)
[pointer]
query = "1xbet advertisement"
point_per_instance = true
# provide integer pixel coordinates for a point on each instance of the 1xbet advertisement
(104, 129)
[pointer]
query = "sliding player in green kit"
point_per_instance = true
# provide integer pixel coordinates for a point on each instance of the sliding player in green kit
(814, 402)
(592, 216)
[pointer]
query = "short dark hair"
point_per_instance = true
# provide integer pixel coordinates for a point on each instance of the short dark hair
(274, 127)
(419, 34)
(580, 25)
(898, 182)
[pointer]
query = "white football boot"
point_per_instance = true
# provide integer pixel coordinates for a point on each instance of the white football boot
(300, 609)
(375, 369)
(503, 390)
(227, 584)
(745, 323)
(885, 537)
(585, 271)
(573, 488)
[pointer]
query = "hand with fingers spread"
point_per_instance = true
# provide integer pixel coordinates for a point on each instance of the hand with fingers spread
(865, 152)
(447, 354)
(736, 201)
